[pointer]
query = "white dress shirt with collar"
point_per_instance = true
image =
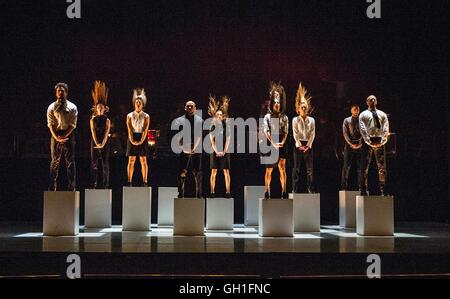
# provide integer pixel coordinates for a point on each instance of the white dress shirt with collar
(304, 130)
(369, 129)
(62, 115)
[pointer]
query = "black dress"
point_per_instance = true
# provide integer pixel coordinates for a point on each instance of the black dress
(221, 138)
(278, 134)
(100, 154)
(137, 150)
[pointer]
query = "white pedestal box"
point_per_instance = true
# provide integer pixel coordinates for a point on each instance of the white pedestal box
(136, 208)
(165, 205)
(251, 196)
(61, 213)
(375, 215)
(347, 208)
(219, 213)
(307, 212)
(276, 217)
(189, 216)
(97, 208)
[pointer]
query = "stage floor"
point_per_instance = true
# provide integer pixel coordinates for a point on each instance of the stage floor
(416, 249)
(408, 238)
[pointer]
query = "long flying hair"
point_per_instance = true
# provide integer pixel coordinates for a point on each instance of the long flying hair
(99, 96)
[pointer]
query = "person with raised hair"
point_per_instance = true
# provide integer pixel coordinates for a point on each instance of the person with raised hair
(138, 123)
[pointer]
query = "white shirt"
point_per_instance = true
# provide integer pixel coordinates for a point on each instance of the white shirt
(369, 129)
(62, 116)
(137, 121)
(304, 130)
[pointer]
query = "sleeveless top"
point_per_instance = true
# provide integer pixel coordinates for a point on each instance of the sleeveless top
(137, 121)
(100, 126)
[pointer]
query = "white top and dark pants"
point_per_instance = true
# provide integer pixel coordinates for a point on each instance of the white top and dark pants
(100, 154)
(190, 162)
(352, 136)
(374, 126)
(304, 131)
(62, 115)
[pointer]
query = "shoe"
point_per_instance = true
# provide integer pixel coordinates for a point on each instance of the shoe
(180, 195)
(129, 184)
(145, 184)
(311, 190)
(284, 195)
(227, 195)
(211, 195)
(364, 193)
(266, 195)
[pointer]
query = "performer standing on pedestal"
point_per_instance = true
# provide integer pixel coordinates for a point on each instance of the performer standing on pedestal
(138, 123)
(220, 136)
(304, 131)
(353, 146)
(62, 120)
(190, 158)
(100, 127)
(276, 128)
(374, 126)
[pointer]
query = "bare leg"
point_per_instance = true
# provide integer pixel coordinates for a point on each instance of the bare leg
(144, 168)
(226, 173)
(268, 179)
(130, 168)
(212, 179)
(282, 169)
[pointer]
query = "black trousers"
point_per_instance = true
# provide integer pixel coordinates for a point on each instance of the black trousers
(57, 151)
(380, 157)
(351, 156)
(299, 158)
(97, 156)
(190, 163)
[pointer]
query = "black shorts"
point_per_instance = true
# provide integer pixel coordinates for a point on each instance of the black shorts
(190, 162)
(219, 162)
(137, 150)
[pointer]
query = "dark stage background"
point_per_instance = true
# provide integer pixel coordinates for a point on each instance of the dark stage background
(181, 50)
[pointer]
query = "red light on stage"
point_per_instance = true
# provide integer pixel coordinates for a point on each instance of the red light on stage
(152, 137)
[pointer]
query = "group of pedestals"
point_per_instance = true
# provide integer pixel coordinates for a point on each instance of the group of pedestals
(186, 215)
(274, 217)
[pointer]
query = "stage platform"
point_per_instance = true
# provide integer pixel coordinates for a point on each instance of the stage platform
(416, 250)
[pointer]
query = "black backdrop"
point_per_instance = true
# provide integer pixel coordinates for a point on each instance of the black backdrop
(180, 50)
